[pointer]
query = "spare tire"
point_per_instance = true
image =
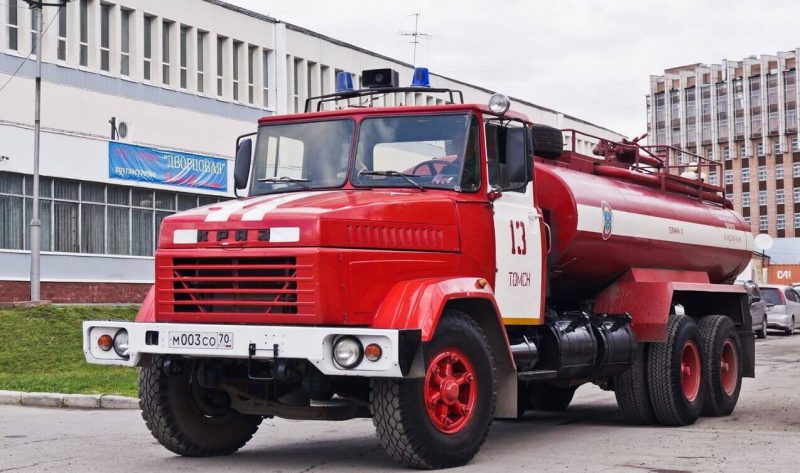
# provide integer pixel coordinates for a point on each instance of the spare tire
(548, 142)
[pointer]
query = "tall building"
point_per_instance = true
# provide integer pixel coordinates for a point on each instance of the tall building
(181, 79)
(744, 115)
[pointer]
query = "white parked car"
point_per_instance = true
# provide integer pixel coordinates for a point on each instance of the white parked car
(783, 307)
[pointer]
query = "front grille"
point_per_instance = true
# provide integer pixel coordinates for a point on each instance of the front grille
(249, 285)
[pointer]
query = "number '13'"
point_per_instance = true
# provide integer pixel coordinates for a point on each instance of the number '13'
(518, 227)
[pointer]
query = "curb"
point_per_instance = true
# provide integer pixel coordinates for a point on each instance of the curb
(79, 401)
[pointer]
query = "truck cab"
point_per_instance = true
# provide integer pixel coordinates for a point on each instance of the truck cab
(386, 262)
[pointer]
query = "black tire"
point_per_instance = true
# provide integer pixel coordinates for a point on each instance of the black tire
(548, 142)
(790, 331)
(630, 389)
(178, 423)
(670, 404)
(400, 414)
(717, 331)
(548, 398)
(762, 332)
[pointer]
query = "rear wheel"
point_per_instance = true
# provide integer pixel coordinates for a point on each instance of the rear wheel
(441, 420)
(187, 419)
(630, 389)
(790, 330)
(548, 398)
(762, 331)
(676, 374)
(721, 354)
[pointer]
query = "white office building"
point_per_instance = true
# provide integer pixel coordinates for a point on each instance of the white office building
(181, 78)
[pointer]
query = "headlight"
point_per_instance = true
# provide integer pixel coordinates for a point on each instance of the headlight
(347, 352)
(121, 343)
(499, 104)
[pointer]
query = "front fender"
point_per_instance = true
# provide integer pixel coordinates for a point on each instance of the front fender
(418, 303)
(147, 311)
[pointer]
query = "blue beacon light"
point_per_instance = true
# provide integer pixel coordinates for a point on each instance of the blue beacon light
(421, 77)
(344, 82)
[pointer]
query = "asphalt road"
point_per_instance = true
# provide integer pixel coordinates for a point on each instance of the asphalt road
(763, 435)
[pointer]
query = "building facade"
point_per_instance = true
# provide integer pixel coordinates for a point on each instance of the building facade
(742, 114)
(179, 80)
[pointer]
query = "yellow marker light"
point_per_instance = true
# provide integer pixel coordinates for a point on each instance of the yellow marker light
(481, 283)
(105, 342)
(373, 352)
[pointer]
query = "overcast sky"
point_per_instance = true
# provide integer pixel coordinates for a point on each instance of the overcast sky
(591, 59)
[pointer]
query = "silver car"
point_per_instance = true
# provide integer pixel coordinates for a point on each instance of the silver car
(783, 307)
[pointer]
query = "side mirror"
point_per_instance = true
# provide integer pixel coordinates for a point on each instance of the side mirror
(755, 299)
(241, 169)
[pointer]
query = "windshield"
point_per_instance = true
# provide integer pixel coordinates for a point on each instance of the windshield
(435, 151)
(771, 295)
(299, 156)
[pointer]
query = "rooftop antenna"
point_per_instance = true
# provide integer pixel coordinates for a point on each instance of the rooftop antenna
(416, 36)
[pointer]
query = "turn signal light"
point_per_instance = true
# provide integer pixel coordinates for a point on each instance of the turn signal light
(481, 283)
(373, 352)
(105, 342)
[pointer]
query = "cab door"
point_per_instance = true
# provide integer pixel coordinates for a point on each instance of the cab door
(517, 226)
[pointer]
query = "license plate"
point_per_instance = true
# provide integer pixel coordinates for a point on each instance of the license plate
(211, 340)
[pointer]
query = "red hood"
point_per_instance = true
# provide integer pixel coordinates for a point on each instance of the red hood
(391, 219)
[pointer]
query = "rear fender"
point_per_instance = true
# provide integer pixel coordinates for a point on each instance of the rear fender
(147, 311)
(650, 294)
(418, 304)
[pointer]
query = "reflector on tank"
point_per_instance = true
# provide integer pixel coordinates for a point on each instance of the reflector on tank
(421, 77)
(344, 81)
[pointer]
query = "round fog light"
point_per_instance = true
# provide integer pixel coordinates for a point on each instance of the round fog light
(373, 352)
(105, 342)
(347, 352)
(121, 343)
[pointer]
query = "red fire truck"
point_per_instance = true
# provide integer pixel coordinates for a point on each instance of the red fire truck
(432, 268)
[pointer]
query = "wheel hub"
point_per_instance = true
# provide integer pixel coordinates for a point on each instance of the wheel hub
(729, 367)
(690, 371)
(450, 390)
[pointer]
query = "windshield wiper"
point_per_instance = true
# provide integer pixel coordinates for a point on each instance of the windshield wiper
(285, 179)
(390, 173)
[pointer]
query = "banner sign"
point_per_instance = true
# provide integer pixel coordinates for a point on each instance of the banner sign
(138, 163)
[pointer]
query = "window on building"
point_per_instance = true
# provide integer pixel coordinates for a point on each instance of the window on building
(712, 178)
(84, 33)
(795, 144)
(745, 175)
(166, 30)
(125, 42)
(87, 217)
(237, 50)
(265, 77)
(61, 51)
(12, 25)
(298, 63)
(201, 60)
(795, 169)
(780, 198)
(796, 195)
(762, 173)
(780, 222)
(34, 33)
(220, 64)
(184, 62)
(728, 176)
(745, 199)
(796, 220)
(760, 148)
(148, 47)
(726, 153)
(763, 223)
(762, 197)
(251, 74)
(105, 37)
(742, 151)
(779, 171)
(776, 146)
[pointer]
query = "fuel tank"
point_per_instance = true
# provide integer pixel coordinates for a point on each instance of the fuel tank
(601, 226)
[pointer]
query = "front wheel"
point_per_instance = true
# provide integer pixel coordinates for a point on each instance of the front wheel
(790, 330)
(187, 419)
(441, 420)
(762, 331)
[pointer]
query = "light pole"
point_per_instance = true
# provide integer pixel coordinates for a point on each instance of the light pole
(36, 224)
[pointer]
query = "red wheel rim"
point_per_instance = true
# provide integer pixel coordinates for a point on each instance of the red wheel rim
(450, 390)
(729, 367)
(690, 371)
